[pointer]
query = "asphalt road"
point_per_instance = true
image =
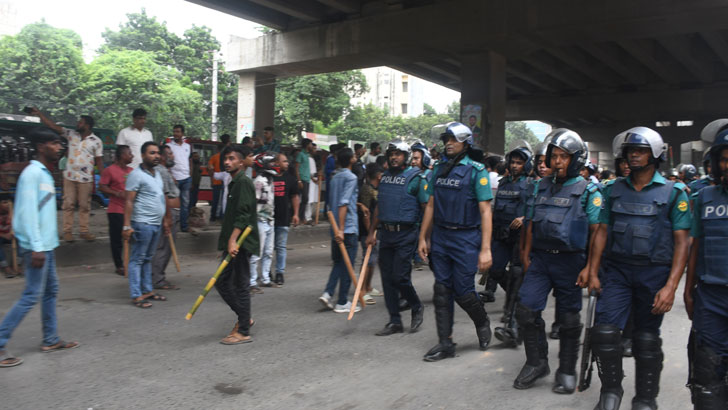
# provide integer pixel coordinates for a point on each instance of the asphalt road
(302, 357)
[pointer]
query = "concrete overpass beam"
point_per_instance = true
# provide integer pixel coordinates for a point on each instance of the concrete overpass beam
(484, 85)
(256, 99)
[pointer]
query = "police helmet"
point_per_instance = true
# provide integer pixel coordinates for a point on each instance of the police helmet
(711, 131)
(460, 131)
(542, 146)
(689, 171)
(266, 162)
(706, 158)
(399, 145)
(617, 145)
(645, 137)
(572, 143)
(672, 173)
(426, 158)
(523, 149)
(720, 142)
(590, 167)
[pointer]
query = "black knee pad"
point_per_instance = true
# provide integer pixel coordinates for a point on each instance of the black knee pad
(442, 295)
(647, 345)
(606, 335)
(708, 367)
(468, 301)
(526, 316)
(569, 320)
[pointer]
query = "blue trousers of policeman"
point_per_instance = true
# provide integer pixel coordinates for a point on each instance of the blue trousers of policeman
(505, 252)
(547, 272)
(395, 266)
(709, 372)
(454, 262)
(628, 287)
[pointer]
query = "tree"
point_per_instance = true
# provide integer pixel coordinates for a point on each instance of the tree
(453, 110)
(428, 110)
(42, 66)
(516, 130)
(321, 97)
(145, 33)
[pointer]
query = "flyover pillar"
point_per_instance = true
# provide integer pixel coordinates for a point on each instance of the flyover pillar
(483, 94)
(256, 99)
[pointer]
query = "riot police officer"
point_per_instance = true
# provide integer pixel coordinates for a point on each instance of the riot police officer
(398, 214)
(508, 213)
(706, 285)
(455, 234)
(706, 180)
(643, 234)
(564, 216)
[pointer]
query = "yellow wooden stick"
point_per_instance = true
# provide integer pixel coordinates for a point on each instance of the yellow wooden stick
(13, 241)
(174, 251)
(345, 256)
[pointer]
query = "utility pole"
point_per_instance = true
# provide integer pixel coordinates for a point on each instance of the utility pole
(213, 133)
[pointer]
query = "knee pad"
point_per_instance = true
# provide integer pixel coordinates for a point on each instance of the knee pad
(525, 316)
(606, 335)
(442, 295)
(468, 301)
(647, 345)
(569, 320)
(708, 367)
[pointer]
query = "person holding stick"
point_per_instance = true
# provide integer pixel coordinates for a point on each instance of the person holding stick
(342, 199)
(172, 200)
(398, 214)
(233, 285)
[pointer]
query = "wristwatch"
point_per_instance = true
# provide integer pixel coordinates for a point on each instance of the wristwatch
(126, 228)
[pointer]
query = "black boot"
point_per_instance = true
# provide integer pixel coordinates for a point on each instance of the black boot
(565, 381)
(404, 305)
(390, 329)
(470, 303)
(627, 347)
(555, 330)
(279, 279)
(607, 349)
(443, 318)
(709, 388)
(418, 316)
(648, 366)
(509, 335)
(534, 336)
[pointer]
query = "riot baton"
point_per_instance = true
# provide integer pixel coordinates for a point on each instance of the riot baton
(586, 356)
(217, 274)
(345, 256)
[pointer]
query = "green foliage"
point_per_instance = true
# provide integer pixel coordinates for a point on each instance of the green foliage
(428, 110)
(453, 110)
(41, 66)
(518, 130)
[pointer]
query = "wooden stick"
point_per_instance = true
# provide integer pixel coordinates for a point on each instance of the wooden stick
(318, 204)
(362, 279)
(13, 241)
(345, 256)
(174, 250)
(126, 258)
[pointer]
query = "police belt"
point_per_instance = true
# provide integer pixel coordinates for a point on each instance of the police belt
(397, 227)
(458, 228)
(557, 251)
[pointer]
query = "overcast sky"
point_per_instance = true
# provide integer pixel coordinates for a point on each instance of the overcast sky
(90, 18)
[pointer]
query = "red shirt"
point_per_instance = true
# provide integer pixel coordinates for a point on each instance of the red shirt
(115, 177)
(5, 223)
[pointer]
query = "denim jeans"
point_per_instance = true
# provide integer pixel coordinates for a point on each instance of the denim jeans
(39, 282)
(265, 233)
(217, 192)
(281, 242)
(339, 271)
(184, 186)
(145, 237)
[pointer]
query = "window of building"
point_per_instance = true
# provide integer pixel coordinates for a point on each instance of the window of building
(404, 108)
(405, 86)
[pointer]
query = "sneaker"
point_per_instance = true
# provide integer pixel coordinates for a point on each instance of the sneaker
(68, 237)
(369, 300)
(346, 308)
(255, 289)
(326, 300)
(88, 236)
(375, 292)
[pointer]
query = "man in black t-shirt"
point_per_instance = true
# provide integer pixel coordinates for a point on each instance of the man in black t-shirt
(287, 202)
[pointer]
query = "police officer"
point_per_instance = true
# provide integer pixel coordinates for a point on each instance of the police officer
(398, 215)
(643, 234)
(455, 234)
(706, 180)
(508, 213)
(687, 173)
(422, 160)
(564, 216)
(706, 285)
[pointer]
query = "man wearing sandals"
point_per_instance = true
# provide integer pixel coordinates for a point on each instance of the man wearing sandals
(37, 234)
(144, 215)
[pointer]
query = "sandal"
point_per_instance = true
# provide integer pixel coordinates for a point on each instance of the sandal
(61, 345)
(8, 360)
(143, 303)
(156, 296)
(236, 339)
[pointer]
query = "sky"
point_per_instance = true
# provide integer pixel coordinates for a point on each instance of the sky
(90, 18)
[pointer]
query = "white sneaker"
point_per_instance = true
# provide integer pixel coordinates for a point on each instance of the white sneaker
(346, 308)
(375, 292)
(326, 300)
(369, 300)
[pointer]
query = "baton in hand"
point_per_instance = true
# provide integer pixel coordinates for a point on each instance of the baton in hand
(586, 354)
(217, 274)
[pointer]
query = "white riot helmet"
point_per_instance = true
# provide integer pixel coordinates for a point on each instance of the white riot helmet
(645, 137)
(399, 145)
(460, 131)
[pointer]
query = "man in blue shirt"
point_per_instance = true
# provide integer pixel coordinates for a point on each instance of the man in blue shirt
(35, 228)
(144, 215)
(342, 199)
(643, 233)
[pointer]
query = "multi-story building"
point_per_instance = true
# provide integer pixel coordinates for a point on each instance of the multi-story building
(399, 93)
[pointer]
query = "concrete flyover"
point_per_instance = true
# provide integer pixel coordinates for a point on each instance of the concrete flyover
(596, 67)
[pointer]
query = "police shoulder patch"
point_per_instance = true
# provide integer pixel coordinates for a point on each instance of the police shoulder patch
(426, 187)
(597, 201)
(484, 181)
(682, 206)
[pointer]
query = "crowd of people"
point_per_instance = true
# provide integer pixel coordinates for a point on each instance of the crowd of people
(539, 221)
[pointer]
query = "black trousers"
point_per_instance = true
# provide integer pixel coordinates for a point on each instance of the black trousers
(395, 266)
(116, 224)
(233, 285)
(304, 202)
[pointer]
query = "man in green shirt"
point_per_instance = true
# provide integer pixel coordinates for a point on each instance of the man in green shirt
(234, 282)
(303, 174)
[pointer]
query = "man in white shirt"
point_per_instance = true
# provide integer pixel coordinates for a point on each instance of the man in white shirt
(85, 150)
(135, 136)
(181, 172)
(375, 150)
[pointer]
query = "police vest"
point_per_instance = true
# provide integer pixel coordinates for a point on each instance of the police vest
(507, 200)
(559, 220)
(395, 203)
(697, 185)
(640, 230)
(455, 203)
(712, 265)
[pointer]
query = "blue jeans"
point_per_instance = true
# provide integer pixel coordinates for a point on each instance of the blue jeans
(145, 237)
(281, 242)
(184, 186)
(217, 191)
(339, 271)
(39, 282)
(265, 233)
